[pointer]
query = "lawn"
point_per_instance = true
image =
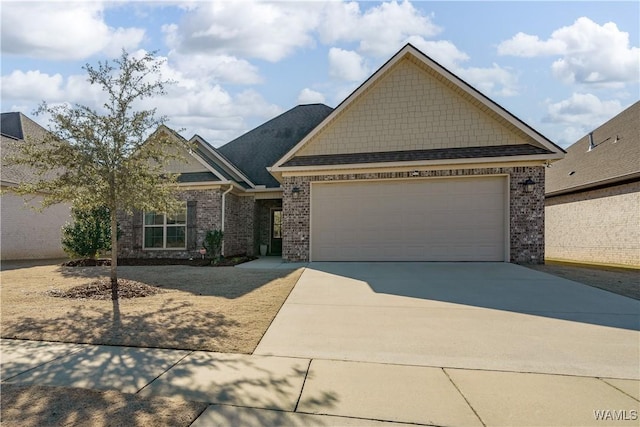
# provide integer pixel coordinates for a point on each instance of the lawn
(223, 309)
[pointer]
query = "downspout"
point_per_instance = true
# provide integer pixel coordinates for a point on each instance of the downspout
(224, 202)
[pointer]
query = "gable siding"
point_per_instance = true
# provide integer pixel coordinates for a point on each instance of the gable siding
(407, 109)
(187, 164)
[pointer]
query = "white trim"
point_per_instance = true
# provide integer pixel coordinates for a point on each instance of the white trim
(513, 161)
(208, 166)
(231, 167)
(164, 231)
(409, 51)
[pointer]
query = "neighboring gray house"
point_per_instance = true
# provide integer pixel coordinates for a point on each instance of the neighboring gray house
(593, 196)
(25, 232)
(415, 165)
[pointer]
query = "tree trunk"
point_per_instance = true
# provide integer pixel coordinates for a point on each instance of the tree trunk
(114, 254)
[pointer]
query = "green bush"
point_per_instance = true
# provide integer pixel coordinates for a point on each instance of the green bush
(213, 244)
(89, 234)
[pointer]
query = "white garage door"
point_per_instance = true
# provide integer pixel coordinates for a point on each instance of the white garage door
(448, 219)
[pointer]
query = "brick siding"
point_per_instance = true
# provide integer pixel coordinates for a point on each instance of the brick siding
(239, 231)
(595, 227)
(526, 209)
(208, 210)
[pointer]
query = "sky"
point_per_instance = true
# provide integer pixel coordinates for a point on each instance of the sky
(564, 68)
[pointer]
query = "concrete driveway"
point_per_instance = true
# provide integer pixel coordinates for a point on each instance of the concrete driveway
(492, 316)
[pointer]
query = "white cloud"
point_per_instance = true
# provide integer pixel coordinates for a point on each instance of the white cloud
(494, 81)
(529, 46)
(55, 30)
(380, 30)
(269, 31)
(589, 53)
(347, 65)
(21, 85)
(443, 52)
(220, 68)
(309, 96)
(574, 117)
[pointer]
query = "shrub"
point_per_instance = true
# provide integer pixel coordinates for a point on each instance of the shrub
(89, 234)
(213, 243)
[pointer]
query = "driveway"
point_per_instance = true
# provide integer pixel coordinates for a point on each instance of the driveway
(492, 316)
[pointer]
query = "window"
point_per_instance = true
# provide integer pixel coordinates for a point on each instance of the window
(276, 229)
(165, 231)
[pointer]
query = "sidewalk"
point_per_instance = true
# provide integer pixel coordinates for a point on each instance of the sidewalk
(263, 390)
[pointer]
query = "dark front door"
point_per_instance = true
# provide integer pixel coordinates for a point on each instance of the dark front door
(276, 232)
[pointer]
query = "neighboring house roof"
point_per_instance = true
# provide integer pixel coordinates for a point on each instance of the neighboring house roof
(614, 156)
(15, 128)
(11, 125)
(437, 77)
(261, 147)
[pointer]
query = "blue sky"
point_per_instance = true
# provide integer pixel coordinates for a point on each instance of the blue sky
(562, 67)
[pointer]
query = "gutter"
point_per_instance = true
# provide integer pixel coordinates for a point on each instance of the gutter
(224, 200)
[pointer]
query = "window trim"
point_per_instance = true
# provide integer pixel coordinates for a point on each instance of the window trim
(164, 227)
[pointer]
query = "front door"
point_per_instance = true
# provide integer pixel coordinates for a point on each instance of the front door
(276, 232)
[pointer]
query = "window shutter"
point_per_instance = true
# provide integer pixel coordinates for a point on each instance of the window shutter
(137, 229)
(192, 229)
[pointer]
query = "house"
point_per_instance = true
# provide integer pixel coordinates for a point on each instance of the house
(226, 188)
(25, 232)
(593, 196)
(414, 165)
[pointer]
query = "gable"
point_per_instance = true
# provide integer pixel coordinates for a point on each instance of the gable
(408, 109)
(413, 105)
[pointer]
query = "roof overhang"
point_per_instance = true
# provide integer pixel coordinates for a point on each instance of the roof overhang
(596, 185)
(221, 160)
(511, 161)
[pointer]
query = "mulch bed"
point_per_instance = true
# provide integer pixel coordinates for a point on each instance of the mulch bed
(101, 290)
(196, 262)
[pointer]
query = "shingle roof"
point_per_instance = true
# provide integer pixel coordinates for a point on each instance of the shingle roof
(416, 155)
(15, 128)
(616, 156)
(261, 147)
(197, 177)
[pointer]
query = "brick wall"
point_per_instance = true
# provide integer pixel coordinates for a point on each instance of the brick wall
(526, 209)
(208, 212)
(238, 232)
(598, 226)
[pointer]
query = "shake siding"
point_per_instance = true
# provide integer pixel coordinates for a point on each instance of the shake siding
(407, 109)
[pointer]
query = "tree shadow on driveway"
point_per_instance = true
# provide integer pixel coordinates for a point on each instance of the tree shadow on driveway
(498, 286)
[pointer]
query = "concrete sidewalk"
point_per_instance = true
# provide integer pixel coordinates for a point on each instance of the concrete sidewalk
(267, 390)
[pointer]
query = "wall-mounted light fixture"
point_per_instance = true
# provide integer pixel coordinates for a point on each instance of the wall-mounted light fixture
(295, 191)
(528, 185)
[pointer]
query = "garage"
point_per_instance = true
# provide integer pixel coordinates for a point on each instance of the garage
(421, 219)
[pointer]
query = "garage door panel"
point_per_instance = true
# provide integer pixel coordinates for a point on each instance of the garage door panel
(454, 219)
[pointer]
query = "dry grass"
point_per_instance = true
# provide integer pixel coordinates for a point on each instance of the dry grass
(222, 309)
(24, 405)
